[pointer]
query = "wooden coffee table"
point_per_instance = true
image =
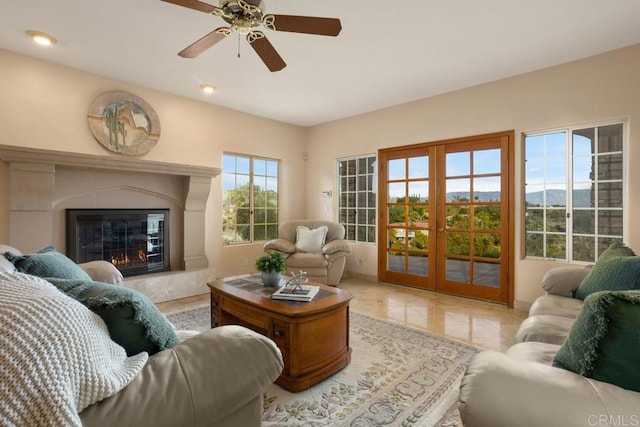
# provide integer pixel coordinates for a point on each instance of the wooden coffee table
(313, 336)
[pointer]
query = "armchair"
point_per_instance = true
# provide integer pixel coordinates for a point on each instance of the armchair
(323, 263)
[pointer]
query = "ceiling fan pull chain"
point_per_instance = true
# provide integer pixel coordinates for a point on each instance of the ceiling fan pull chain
(238, 45)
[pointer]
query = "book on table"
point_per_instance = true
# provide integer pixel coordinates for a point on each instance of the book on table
(296, 293)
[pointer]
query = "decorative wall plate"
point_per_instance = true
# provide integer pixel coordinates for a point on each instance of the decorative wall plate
(124, 123)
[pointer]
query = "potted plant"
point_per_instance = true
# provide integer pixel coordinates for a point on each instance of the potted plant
(271, 265)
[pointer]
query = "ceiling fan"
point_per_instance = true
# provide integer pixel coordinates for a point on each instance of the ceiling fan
(244, 16)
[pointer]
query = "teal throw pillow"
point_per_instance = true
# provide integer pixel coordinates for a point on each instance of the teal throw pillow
(611, 274)
(134, 322)
(616, 249)
(48, 262)
(604, 342)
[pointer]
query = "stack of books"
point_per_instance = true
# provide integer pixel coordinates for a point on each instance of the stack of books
(296, 293)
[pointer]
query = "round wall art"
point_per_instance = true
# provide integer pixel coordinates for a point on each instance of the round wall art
(124, 123)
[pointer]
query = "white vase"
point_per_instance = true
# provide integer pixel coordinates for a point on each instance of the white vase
(271, 278)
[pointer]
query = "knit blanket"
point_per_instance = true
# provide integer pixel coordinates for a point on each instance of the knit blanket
(56, 357)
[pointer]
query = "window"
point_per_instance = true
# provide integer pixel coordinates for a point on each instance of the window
(357, 197)
(249, 199)
(574, 192)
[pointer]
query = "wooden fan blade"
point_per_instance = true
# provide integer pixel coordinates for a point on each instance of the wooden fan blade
(303, 24)
(266, 51)
(205, 42)
(193, 4)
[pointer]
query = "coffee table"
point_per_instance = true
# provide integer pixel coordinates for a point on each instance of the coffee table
(312, 336)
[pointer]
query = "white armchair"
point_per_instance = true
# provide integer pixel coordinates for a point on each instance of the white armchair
(305, 249)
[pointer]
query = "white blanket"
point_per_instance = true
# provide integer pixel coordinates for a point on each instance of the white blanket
(56, 357)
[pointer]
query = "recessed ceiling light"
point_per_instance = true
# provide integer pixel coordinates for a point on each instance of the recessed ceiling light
(41, 38)
(207, 88)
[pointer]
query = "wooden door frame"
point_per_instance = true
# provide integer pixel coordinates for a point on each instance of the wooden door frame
(382, 178)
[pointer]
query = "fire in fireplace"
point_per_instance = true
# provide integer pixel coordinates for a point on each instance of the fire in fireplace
(134, 240)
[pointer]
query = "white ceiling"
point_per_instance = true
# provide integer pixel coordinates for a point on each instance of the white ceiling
(389, 52)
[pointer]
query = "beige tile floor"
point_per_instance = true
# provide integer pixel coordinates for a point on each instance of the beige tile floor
(481, 324)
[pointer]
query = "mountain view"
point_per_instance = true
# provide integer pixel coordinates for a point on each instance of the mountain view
(581, 198)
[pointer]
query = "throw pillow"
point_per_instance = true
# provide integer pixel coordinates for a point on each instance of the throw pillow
(103, 271)
(563, 280)
(133, 320)
(310, 240)
(48, 262)
(616, 249)
(611, 274)
(603, 343)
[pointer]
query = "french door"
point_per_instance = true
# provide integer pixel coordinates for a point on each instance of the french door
(444, 216)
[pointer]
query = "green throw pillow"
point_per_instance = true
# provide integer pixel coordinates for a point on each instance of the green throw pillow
(604, 342)
(611, 274)
(616, 249)
(48, 262)
(134, 322)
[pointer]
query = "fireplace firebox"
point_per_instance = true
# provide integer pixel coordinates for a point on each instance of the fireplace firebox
(136, 241)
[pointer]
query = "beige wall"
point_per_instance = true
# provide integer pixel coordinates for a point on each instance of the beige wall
(44, 105)
(595, 89)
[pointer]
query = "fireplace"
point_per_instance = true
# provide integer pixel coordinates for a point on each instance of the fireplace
(134, 240)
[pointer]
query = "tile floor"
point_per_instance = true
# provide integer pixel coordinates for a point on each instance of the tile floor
(481, 324)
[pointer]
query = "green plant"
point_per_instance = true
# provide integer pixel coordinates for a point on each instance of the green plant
(271, 262)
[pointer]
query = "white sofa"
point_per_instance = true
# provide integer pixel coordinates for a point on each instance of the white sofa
(521, 387)
(215, 378)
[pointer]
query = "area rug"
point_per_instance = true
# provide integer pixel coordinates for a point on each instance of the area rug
(397, 377)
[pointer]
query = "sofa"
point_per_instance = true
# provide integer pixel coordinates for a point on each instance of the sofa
(62, 363)
(316, 247)
(573, 363)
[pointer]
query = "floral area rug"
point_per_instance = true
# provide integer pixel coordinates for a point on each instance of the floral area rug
(397, 377)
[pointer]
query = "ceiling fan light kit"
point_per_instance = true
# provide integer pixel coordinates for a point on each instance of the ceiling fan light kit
(243, 17)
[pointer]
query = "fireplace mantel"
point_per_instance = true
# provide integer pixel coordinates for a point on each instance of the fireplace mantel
(37, 197)
(10, 154)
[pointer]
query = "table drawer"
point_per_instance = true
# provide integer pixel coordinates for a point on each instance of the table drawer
(280, 333)
(244, 313)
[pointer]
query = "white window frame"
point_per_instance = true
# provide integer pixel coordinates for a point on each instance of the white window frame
(569, 157)
(251, 181)
(354, 230)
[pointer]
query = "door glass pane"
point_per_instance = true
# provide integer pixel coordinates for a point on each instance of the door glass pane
(457, 216)
(583, 197)
(395, 262)
(418, 167)
(486, 274)
(534, 171)
(396, 192)
(397, 215)
(458, 243)
(419, 191)
(419, 216)
(396, 169)
(458, 270)
(418, 263)
(396, 238)
(486, 161)
(487, 189)
(487, 217)
(458, 164)
(486, 245)
(458, 190)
